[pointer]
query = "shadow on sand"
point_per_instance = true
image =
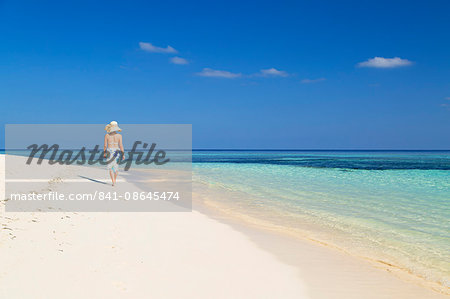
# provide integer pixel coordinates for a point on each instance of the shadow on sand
(93, 180)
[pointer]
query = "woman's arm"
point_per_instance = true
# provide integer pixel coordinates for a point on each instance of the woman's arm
(121, 147)
(105, 145)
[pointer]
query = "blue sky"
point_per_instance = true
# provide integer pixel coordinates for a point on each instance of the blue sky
(259, 74)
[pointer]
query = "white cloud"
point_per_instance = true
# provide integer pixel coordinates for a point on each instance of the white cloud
(151, 48)
(308, 81)
(178, 60)
(272, 72)
(381, 62)
(207, 72)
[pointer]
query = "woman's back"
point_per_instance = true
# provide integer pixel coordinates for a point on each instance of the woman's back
(113, 140)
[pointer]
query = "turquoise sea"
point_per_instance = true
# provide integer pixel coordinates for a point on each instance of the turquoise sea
(389, 207)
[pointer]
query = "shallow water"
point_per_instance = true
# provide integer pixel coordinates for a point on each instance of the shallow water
(387, 206)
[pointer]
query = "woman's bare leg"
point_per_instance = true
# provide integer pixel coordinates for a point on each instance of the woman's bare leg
(115, 176)
(112, 177)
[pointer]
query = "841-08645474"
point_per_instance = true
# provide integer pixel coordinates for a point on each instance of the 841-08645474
(156, 195)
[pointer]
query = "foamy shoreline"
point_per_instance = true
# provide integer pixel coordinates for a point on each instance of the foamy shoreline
(173, 255)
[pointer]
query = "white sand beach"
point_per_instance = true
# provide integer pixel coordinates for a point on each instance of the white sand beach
(173, 255)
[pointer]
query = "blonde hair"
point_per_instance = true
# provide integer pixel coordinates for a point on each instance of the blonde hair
(108, 127)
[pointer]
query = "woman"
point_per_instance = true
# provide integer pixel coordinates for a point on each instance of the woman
(113, 144)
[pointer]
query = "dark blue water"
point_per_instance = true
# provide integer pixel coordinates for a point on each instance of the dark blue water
(364, 160)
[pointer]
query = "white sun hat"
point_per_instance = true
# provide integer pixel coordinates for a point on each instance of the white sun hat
(113, 127)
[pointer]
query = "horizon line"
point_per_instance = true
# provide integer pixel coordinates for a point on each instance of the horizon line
(294, 149)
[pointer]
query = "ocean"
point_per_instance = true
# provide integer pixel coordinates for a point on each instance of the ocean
(391, 207)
